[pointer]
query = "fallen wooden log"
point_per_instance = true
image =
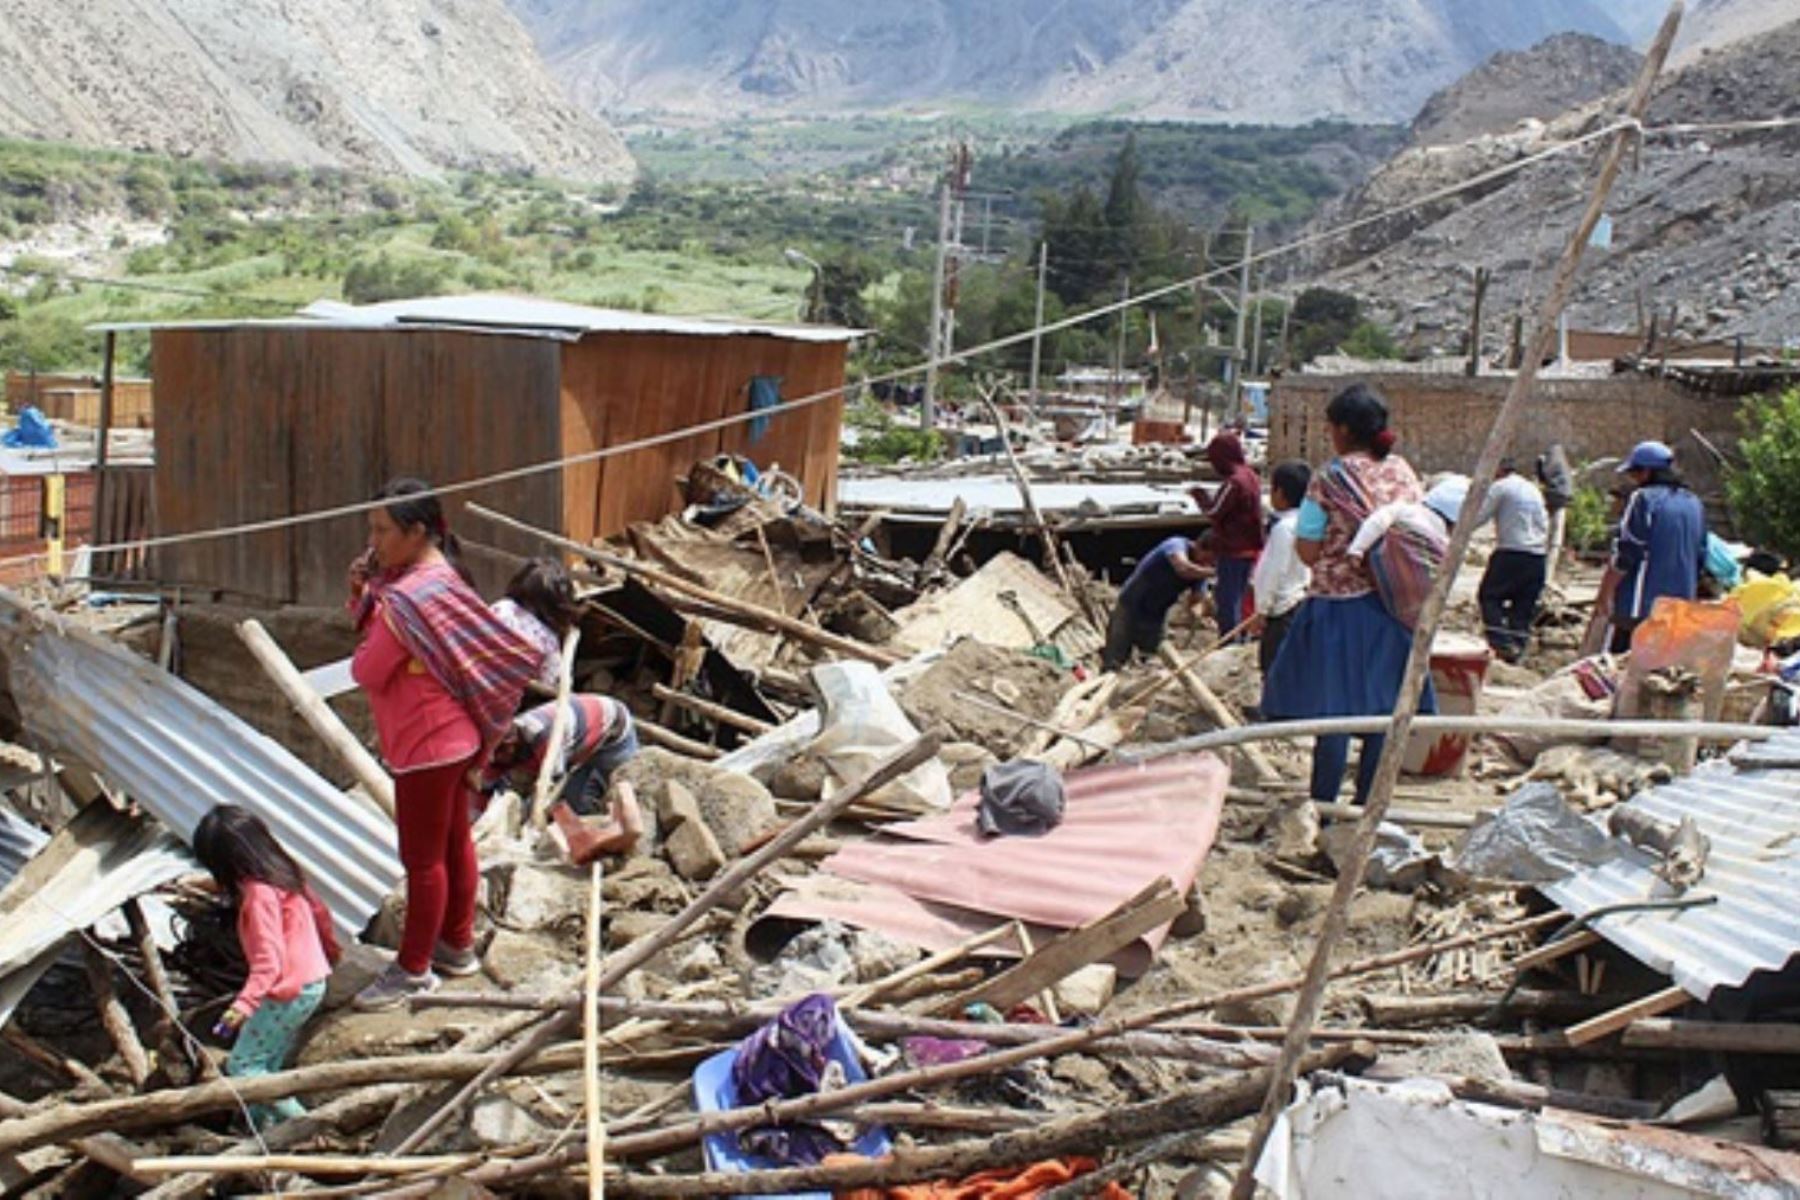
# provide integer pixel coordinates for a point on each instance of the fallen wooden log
(1214, 1103)
(1513, 1093)
(318, 715)
(1219, 713)
(108, 1149)
(724, 887)
(1389, 1010)
(1423, 818)
(1653, 1005)
(710, 710)
(729, 606)
(1056, 960)
(173, 1105)
(668, 739)
(1725, 1037)
(113, 1017)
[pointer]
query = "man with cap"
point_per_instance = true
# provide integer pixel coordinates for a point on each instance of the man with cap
(1514, 580)
(1661, 546)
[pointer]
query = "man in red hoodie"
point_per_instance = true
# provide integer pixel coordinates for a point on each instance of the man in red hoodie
(1236, 516)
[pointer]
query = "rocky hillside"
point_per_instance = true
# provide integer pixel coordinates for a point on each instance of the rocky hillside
(1515, 85)
(389, 85)
(1278, 61)
(1709, 225)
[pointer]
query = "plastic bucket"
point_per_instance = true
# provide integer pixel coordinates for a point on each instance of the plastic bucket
(1459, 667)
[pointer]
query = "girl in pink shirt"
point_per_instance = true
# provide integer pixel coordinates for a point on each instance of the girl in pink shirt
(287, 940)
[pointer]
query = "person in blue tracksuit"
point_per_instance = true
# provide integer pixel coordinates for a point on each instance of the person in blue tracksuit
(1661, 546)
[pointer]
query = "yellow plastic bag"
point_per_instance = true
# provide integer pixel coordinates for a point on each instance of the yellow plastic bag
(1771, 606)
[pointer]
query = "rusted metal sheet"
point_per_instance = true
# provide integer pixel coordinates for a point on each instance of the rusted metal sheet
(1123, 828)
(1752, 818)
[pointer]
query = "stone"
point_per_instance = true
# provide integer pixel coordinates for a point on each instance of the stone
(624, 928)
(676, 806)
(538, 962)
(1192, 921)
(643, 883)
(497, 1122)
(534, 897)
(1089, 1076)
(693, 851)
(1088, 991)
(701, 961)
(1265, 1010)
(965, 761)
(734, 806)
(800, 777)
(1475, 1055)
(1292, 830)
(358, 967)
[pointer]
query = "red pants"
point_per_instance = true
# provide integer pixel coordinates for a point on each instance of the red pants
(431, 807)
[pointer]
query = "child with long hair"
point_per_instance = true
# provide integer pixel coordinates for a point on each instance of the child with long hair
(287, 940)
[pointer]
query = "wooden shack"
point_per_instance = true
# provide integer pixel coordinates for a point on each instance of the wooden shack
(259, 420)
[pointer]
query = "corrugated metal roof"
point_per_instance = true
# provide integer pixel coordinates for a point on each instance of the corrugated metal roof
(20, 841)
(1001, 496)
(178, 753)
(517, 315)
(1753, 820)
(1123, 828)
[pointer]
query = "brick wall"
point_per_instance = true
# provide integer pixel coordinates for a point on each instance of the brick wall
(1444, 419)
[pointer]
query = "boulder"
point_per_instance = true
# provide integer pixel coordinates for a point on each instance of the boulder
(734, 806)
(694, 852)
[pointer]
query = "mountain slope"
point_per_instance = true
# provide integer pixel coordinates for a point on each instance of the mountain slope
(1708, 225)
(1275, 61)
(386, 85)
(1516, 85)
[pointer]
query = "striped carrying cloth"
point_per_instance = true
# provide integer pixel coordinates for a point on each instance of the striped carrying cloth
(445, 625)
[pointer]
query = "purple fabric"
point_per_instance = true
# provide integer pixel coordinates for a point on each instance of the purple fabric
(783, 1060)
(935, 1052)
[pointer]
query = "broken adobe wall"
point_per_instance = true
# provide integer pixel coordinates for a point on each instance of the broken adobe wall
(213, 659)
(1443, 420)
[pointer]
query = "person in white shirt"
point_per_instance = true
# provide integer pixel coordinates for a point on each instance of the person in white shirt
(1280, 579)
(1514, 580)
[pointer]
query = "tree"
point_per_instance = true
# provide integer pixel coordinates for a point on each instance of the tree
(1322, 320)
(1126, 210)
(1765, 491)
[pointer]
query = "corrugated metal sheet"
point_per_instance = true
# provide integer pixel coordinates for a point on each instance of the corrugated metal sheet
(515, 315)
(20, 841)
(1000, 495)
(1123, 828)
(1753, 820)
(178, 754)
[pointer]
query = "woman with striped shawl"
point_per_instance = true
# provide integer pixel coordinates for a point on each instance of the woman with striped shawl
(444, 676)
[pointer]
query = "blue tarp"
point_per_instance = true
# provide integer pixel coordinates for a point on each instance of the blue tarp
(33, 432)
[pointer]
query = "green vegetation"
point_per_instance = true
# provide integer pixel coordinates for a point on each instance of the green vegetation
(881, 439)
(159, 238)
(1588, 527)
(1765, 490)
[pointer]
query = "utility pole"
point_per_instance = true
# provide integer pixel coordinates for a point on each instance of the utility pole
(1243, 306)
(946, 278)
(1256, 339)
(1037, 328)
(1287, 317)
(1482, 276)
(1118, 379)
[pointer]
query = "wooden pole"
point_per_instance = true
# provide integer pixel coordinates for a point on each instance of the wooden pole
(318, 715)
(1217, 712)
(800, 631)
(1569, 728)
(167, 1032)
(710, 710)
(554, 756)
(103, 439)
(590, 1042)
(1473, 367)
(1046, 535)
(668, 739)
(618, 966)
(1387, 774)
(113, 1017)
(1721, 1037)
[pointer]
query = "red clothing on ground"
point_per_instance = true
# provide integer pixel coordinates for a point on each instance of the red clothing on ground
(283, 945)
(421, 725)
(1236, 512)
(431, 809)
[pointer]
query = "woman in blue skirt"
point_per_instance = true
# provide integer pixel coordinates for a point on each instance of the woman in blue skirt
(1344, 655)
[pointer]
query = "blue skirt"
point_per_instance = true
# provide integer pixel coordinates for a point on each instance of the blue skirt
(1340, 658)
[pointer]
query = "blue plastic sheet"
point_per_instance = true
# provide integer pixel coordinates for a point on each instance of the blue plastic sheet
(714, 1092)
(33, 432)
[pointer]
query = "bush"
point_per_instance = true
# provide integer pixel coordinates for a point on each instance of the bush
(1765, 491)
(372, 280)
(1589, 524)
(1369, 340)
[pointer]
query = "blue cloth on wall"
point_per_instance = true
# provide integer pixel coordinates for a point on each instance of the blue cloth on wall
(33, 432)
(765, 392)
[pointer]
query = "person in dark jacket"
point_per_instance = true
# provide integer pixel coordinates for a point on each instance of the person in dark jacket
(1141, 616)
(1661, 546)
(1236, 537)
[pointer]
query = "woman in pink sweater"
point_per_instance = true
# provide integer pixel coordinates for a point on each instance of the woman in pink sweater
(287, 940)
(444, 677)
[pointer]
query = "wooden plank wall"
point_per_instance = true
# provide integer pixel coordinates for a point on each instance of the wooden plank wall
(256, 423)
(620, 388)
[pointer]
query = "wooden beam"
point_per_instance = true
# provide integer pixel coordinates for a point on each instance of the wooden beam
(668, 739)
(711, 710)
(1726, 1037)
(1561, 948)
(318, 715)
(742, 610)
(1056, 960)
(1217, 711)
(1653, 1005)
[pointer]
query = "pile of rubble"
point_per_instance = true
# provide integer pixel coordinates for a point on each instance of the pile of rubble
(1098, 1003)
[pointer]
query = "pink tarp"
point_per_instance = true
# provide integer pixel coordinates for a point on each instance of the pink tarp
(1124, 827)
